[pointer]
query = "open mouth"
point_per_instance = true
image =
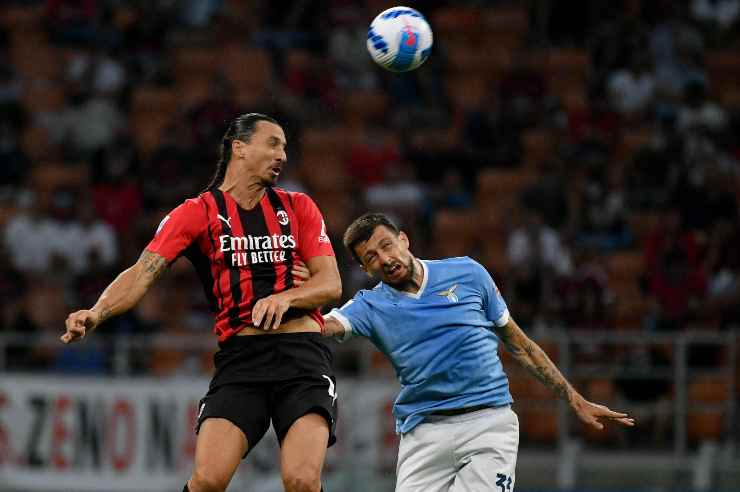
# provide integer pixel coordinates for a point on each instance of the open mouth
(394, 270)
(275, 170)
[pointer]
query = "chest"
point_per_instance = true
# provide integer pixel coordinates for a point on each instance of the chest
(438, 310)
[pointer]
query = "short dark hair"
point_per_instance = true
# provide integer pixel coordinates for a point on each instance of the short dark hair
(363, 227)
(241, 128)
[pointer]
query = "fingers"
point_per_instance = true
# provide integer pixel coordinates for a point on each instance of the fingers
(76, 329)
(268, 313)
(279, 311)
(258, 312)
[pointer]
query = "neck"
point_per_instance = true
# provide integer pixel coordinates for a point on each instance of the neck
(245, 189)
(417, 277)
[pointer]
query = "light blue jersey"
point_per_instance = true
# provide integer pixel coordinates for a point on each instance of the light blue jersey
(439, 340)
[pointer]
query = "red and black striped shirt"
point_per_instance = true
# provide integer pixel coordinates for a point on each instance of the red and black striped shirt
(241, 255)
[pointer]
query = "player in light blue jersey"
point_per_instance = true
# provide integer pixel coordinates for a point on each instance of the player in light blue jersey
(439, 323)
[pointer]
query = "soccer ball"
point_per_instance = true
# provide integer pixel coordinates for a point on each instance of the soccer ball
(399, 39)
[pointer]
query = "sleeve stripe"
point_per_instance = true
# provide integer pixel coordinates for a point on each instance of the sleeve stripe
(334, 313)
(503, 319)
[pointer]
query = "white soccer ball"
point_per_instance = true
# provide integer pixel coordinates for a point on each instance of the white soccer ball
(399, 39)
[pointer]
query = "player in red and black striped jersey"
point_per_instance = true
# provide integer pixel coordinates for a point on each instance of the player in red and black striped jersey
(244, 236)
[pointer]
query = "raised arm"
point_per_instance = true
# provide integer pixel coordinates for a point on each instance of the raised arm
(535, 360)
(120, 296)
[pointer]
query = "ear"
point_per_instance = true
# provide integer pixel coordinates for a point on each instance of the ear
(237, 149)
(404, 239)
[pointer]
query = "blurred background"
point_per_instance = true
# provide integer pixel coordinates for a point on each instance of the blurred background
(586, 152)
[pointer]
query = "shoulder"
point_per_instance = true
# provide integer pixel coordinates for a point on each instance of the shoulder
(457, 262)
(298, 200)
(193, 211)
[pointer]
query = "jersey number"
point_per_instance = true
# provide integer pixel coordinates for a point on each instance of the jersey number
(332, 389)
(503, 481)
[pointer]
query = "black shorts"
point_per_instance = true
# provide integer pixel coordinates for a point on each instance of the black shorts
(278, 378)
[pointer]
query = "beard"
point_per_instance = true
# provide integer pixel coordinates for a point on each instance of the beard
(406, 280)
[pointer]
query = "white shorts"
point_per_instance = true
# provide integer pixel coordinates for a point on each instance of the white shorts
(473, 452)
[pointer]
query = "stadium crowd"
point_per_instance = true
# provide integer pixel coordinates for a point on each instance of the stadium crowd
(588, 156)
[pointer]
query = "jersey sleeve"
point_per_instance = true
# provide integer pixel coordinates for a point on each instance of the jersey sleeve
(493, 302)
(354, 315)
(178, 230)
(312, 238)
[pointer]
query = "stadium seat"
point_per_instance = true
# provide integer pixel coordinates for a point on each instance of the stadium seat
(22, 17)
(454, 233)
(538, 147)
(152, 110)
(249, 70)
(365, 107)
(194, 90)
(467, 92)
(188, 62)
(631, 141)
(36, 143)
(723, 68)
(709, 422)
(37, 61)
(42, 97)
(454, 20)
(642, 223)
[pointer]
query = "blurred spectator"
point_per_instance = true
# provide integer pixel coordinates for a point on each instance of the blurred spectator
(723, 268)
(603, 221)
(86, 242)
(697, 112)
(31, 238)
(97, 70)
(632, 89)
(15, 165)
(536, 258)
(399, 191)
(372, 156)
(677, 286)
(73, 21)
(176, 156)
(522, 89)
(586, 304)
(207, 119)
(535, 245)
(716, 13)
(116, 195)
(91, 122)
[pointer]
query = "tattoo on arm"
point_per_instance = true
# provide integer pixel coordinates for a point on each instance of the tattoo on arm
(535, 360)
(152, 264)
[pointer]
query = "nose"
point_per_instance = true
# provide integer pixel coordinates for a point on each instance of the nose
(384, 258)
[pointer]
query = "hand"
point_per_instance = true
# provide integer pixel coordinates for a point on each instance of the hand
(269, 311)
(78, 324)
(301, 273)
(591, 414)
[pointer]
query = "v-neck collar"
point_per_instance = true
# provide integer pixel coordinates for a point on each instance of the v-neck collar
(422, 287)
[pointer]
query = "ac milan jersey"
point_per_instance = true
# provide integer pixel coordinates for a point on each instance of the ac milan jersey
(241, 255)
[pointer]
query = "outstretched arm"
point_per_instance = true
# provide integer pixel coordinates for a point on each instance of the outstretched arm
(120, 296)
(535, 360)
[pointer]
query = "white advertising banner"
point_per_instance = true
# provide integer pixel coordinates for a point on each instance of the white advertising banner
(121, 435)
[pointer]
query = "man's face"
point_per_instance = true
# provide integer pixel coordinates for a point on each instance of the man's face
(386, 256)
(264, 154)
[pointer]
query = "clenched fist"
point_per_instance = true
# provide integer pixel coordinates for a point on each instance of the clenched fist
(78, 324)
